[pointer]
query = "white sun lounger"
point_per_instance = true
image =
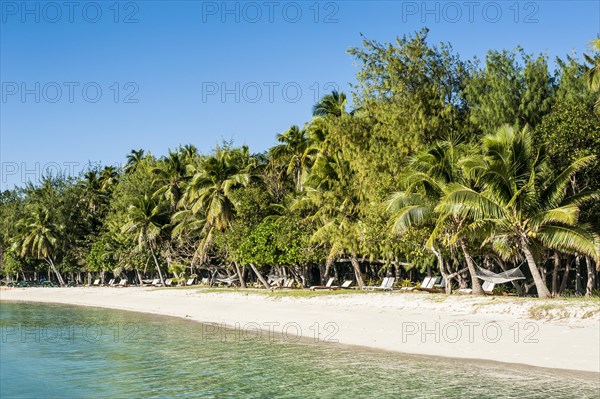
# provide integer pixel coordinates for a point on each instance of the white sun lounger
(387, 285)
(324, 287)
(346, 284)
(487, 287)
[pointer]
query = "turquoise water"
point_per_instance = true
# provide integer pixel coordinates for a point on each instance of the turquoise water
(52, 351)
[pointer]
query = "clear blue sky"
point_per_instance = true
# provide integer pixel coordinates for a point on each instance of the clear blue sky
(171, 61)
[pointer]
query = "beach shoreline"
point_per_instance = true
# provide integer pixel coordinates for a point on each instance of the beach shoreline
(507, 330)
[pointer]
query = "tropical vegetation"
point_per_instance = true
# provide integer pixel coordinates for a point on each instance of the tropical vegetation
(433, 165)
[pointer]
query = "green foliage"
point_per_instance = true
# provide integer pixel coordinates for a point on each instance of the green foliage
(506, 92)
(419, 172)
(12, 264)
(277, 242)
(99, 258)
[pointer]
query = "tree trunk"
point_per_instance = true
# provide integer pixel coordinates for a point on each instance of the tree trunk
(591, 274)
(578, 287)
(321, 272)
(476, 285)
(240, 275)
(162, 281)
(205, 247)
(56, 272)
(328, 264)
(356, 267)
(555, 274)
(446, 276)
(540, 285)
(565, 279)
(260, 276)
(139, 277)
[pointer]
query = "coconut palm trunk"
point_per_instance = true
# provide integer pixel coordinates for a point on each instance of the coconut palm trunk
(591, 274)
(476, 285)
(162, 281)
(540, 285)
(240, 275)
(328, 264)
(357, 273)
(555, 269)
(442, 265)
(260, 276)
(56, 272)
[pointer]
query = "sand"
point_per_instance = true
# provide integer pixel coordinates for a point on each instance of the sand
(487, 328)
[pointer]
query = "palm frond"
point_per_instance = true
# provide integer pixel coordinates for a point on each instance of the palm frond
(571, 239)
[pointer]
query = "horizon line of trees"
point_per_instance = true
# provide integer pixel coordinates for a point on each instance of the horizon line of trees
(444, 165)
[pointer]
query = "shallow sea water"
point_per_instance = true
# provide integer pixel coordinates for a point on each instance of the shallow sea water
(56, 351)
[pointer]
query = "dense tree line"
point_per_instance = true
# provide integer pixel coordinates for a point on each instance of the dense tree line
(442, 166)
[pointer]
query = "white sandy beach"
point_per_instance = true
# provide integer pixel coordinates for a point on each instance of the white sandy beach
(489, 328)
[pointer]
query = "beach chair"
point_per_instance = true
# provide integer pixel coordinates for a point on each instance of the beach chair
(168, 282)
(386, 285)
(123, 282)
(324, 287)
(96, 283)
(288, 283)
(432, 285)
(426, 282)
(441, 285)
(206, 281)
(487, 287)
(346, 284)
(111, 282)
(190, 281)
(156, 281)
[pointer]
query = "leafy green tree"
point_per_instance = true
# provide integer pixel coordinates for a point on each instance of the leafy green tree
(506, 92)
(412, 90)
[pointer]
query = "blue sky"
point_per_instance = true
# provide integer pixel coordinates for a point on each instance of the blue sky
(91, 81)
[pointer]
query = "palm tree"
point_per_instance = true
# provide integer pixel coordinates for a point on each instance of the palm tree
(133, 160)
(333, 206)
(40, 237)
(109, 177)
(145, 218)
(91, 191)
(517, 206)
(289, 156)
(210, 189)
(428, 176)
(331, 104)
(172, 174)
(593, 71)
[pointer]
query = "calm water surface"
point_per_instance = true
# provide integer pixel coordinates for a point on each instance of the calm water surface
(52, 351)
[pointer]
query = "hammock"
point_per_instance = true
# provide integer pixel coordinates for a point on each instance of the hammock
(499, 278)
